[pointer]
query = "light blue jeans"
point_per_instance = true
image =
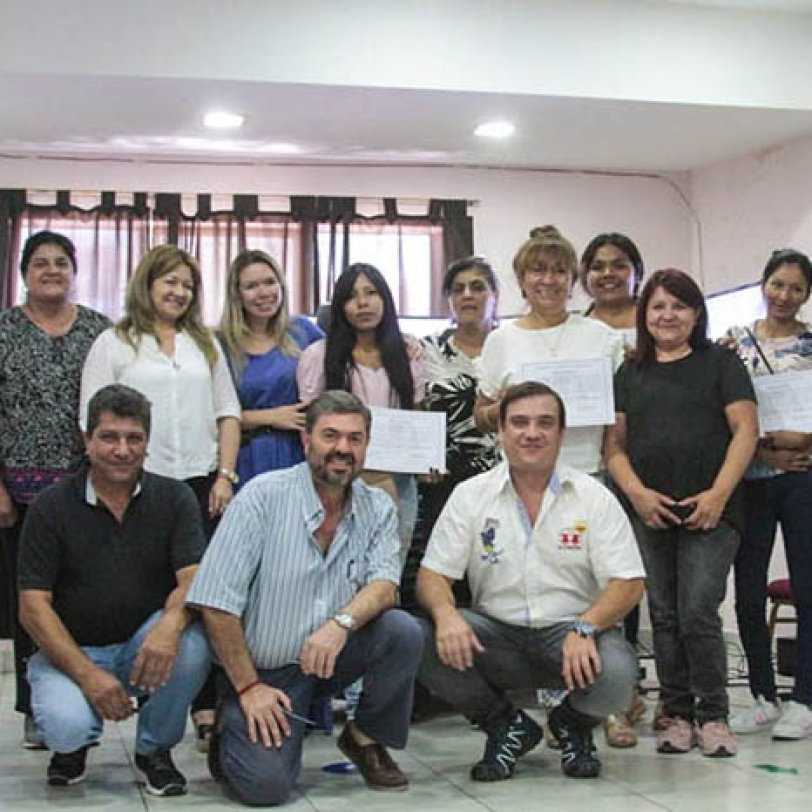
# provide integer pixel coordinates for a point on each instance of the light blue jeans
(68, 721)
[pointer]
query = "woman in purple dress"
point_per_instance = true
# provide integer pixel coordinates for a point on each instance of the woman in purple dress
(262, 344)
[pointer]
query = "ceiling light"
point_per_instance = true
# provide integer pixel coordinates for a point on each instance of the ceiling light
(220, 120)
(495, 129)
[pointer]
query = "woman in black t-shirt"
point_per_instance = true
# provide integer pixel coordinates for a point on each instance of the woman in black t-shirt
(685, 430)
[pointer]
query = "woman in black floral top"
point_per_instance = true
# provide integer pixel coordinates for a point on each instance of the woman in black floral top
(452, 376)
(43, 345)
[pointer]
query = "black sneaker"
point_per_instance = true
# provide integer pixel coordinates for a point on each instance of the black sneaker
(508, 740)
(579, 757)
(67, 769)
(162, 776)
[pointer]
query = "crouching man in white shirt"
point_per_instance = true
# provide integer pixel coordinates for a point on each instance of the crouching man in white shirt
(553, 567)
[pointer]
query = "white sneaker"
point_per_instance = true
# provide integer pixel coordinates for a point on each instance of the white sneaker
(761, 715)
(795, 722)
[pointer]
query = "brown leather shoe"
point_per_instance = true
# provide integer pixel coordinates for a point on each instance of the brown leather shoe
(376, 766)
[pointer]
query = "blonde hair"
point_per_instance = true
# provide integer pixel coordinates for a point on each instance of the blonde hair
(545, 240)
(233, 327)
(140, 311)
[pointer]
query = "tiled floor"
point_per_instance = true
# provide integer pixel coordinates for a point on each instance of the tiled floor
(437, 761)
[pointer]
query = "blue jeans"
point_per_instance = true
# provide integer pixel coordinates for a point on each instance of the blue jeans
(68, 721)
(784, 499)
(686, 574)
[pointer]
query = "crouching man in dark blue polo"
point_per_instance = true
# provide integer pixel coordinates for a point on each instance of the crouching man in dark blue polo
(106, 558)
(297, 589)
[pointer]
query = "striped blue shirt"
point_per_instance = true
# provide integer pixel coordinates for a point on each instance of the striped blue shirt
(265, 566)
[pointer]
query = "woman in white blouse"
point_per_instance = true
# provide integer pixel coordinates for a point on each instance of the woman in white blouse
(162, 349)
(546, 268)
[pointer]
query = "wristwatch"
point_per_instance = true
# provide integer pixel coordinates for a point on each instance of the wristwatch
(232, 476)
(347, 622)
(584, 628)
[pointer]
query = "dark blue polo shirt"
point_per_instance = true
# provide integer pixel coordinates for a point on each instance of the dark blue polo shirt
(108, 577)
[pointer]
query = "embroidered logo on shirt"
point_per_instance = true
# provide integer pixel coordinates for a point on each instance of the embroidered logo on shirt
(572, 538)
(490, 552)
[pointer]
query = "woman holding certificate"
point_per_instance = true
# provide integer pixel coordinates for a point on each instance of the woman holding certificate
(684, 433)
(366, 354)
(778, 490)
(546, 268)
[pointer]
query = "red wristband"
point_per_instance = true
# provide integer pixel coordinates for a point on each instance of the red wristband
(248, 687)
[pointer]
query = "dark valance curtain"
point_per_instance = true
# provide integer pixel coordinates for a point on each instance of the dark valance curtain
(314, 241)
(215, 236)
(334, 231)
(110, 238)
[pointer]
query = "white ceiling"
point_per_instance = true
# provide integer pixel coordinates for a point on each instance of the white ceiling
(650, 114)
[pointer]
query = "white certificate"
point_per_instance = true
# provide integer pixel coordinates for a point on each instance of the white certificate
(584, 386)
(784, 401)
(406, 442)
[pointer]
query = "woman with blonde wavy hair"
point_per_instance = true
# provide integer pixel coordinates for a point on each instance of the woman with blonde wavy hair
(162, 348)
(262, 343)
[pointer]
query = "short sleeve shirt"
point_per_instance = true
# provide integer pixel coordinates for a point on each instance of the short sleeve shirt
(106, 577)
(539, 576)
(677, 432)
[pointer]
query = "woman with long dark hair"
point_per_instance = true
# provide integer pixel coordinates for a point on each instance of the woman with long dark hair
(365, 353)
(778, 490)
(685, 430)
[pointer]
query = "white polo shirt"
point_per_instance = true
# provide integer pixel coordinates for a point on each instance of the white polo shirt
(541, 575)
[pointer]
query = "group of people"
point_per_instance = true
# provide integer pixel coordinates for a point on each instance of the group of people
(133, 585)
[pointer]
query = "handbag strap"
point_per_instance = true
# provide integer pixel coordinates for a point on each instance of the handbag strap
(760, 351)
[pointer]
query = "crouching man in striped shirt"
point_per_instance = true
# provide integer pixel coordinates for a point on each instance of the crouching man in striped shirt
(297, 590)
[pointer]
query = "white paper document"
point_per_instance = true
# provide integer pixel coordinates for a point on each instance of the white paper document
(406, 442)
(784, 401)
(585, 387)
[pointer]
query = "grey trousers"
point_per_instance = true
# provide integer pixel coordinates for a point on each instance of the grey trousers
(385, 652)
(517, 657)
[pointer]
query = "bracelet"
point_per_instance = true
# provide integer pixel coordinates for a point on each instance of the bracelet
(248, 687)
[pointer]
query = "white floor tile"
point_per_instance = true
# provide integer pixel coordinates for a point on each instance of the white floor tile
(437, 761)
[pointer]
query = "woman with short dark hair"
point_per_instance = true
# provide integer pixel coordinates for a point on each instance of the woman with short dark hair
(43, 346)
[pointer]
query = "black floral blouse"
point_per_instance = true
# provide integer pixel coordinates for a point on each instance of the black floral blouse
(451, 387)
(40, 440)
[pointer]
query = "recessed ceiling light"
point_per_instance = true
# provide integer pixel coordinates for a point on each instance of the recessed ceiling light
(495, 129)
(220, 120)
